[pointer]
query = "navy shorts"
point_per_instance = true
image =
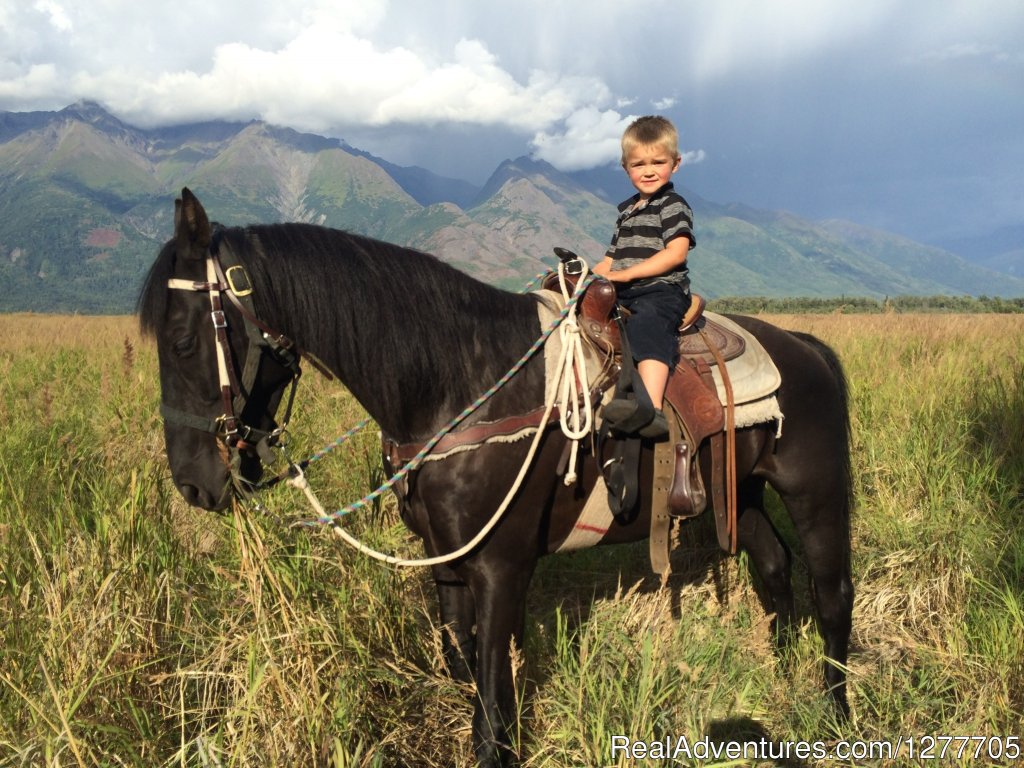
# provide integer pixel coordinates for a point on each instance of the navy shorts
(653, 327)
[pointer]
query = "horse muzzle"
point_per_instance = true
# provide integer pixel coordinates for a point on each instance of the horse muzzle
(204, 499)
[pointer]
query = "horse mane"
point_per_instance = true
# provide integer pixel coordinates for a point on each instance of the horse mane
(151, 306)
(407, 333)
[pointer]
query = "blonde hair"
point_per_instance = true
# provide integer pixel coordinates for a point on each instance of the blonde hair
(651, 130)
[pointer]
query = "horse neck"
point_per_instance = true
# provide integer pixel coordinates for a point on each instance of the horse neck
(414, 340)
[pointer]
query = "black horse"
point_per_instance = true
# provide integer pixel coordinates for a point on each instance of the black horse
(415, 341)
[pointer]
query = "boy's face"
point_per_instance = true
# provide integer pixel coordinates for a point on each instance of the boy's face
(650, 166)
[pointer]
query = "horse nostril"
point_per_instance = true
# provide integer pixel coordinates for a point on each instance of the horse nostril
(191, 494)
(205, 500)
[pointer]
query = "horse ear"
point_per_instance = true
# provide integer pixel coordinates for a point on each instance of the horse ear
(191, 226)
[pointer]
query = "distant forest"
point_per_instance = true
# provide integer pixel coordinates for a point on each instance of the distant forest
(752, 305)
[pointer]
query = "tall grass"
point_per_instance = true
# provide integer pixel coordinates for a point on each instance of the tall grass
(136, 631)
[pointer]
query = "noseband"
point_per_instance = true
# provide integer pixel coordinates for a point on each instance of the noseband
(234, 283)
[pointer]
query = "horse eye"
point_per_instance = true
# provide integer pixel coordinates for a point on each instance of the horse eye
(185, 346)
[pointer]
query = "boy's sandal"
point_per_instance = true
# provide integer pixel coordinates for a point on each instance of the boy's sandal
(656, 427)
(618, 410)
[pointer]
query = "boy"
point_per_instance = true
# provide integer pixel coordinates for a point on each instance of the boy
(647, 262)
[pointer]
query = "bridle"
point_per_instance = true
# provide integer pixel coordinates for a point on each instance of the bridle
(234, 283)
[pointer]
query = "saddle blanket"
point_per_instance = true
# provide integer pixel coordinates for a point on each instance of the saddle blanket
(754, 377)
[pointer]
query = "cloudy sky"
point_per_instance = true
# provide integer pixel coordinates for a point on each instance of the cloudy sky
(906, 115)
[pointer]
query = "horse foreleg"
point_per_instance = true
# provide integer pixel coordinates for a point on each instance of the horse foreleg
(458, 616)
(500, 595)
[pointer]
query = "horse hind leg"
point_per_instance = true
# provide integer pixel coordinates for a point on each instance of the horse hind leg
(769, 557)
(822, 524)
(833, 597)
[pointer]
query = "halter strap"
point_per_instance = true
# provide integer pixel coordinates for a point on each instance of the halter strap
(235, 284)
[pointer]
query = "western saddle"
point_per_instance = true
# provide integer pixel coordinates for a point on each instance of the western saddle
(695, 414)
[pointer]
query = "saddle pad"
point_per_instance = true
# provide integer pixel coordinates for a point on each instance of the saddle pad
(593, 522)
(753, 374)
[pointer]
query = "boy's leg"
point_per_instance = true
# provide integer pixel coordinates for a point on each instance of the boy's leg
(654, 374)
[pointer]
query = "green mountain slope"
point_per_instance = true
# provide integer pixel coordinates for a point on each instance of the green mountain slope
(86, 201)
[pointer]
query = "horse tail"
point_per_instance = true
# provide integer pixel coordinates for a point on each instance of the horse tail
(842, 387)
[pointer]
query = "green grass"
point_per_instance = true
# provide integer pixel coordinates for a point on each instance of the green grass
(136, 631)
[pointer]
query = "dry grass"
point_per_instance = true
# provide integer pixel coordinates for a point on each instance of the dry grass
(137, 631)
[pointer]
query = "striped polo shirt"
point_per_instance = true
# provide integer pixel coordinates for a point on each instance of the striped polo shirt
(642, 232)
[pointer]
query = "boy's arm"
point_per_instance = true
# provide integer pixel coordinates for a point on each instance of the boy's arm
(664, 261)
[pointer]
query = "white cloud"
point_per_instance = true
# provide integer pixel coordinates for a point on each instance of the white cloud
(963, 51)
(589, 138)
(40, 79)
(319, 69)
(694, 157)
(330, 78)
(57, 15)
(474, 88)
(958, 52)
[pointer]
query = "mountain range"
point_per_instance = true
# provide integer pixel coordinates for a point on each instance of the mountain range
(86, 201)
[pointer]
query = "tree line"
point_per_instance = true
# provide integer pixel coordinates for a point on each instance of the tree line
(752, 305)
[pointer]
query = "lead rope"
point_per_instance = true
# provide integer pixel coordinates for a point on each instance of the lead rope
(574, 381)
(570, 364)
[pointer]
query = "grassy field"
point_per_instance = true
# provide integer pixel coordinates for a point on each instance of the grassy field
(136, 631)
